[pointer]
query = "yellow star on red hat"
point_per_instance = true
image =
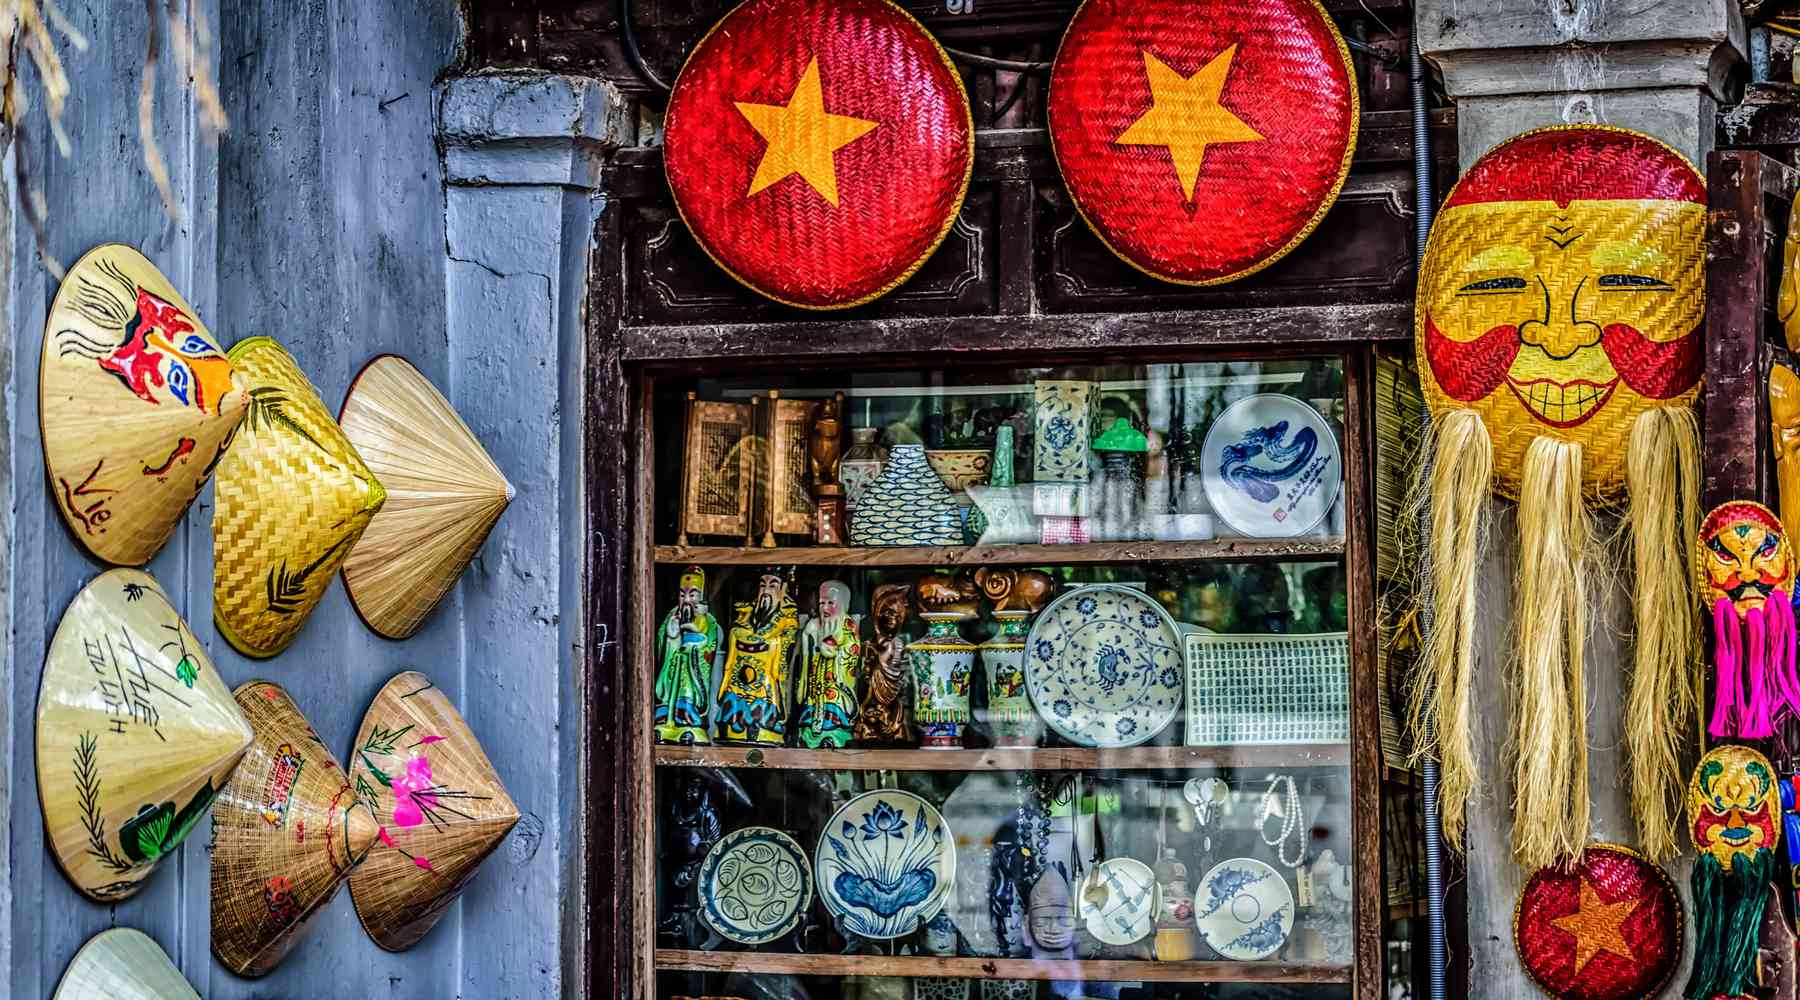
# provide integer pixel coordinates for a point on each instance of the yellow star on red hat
(1598, 926)
(803, 138)
(1185, 115)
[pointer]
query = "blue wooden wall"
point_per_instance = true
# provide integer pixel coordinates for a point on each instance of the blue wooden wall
(318, 219)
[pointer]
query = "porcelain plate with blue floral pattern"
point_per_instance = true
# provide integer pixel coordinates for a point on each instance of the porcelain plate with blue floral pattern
(1103, 666)
(1244, 909)
(885, 864)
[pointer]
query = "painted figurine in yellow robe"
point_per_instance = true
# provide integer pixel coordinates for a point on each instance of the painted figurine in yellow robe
(830, 663)
(753, 697)
(690, 638)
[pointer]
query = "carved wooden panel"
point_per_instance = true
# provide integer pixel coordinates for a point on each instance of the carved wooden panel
(669, 278)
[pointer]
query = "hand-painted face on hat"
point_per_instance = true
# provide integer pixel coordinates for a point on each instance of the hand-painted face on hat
(1562, 292)
(1732, 804)
(164, 356)
(1744, 556)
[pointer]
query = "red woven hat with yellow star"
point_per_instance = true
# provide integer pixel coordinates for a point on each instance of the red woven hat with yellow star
(818, 149)
(1202, 139)
(1608, 928)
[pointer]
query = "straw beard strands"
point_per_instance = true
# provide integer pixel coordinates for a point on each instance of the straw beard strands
(1563, 401)
(442, 809)
(287, 830)
(443, 496)
(135, 734)
(136, 404)
(122, 964)
(293, 497)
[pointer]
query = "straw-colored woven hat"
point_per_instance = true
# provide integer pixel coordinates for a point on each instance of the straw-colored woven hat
(122, 964)
(443, 495)
(293, 497)
(442, 808)
(135, 733)
(287, 831)
(135, 403)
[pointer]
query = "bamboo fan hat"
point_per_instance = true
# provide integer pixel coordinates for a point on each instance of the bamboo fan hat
(136, 402)
(443, 495)
(1607, 928)
(135, 734)
(293, 497)
(1558, 330)
(818, 150)
(1202, 140)
(441, 806)
(122, 964)
(286, 833)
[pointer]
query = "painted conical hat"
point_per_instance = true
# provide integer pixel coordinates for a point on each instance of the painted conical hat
(135, 733)
(293, 497)
(441, 806)
(122, 964)
(444, 493)
(135, 403)
(287, 831)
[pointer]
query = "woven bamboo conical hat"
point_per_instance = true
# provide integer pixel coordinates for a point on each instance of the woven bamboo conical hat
(444, 493)
(286, 832)
(441, 806)
(135, 733)
(136, 401)
(293, 497)
(122, 964)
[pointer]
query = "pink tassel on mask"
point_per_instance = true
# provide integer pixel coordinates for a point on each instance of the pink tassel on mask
(1728, 651)
(1759, 666)
(1782, 655)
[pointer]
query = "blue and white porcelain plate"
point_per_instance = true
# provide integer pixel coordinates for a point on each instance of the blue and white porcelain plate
(1271, 466)
(1244, 909)
(1118, 901)
(1103, 665)
(754, 884)
(885, 864)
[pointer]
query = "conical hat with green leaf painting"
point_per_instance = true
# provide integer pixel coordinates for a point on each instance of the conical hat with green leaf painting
(135, 734)
(441, 805)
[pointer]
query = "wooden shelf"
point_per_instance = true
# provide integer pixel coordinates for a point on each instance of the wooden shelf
(930, 966)
(1022, 759)
(1215, 550)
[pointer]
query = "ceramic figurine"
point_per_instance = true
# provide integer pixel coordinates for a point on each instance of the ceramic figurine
(689, 832)
(753, 697)
(1026, 590)
(1051, 918)
(862, 464)
(690, 639)
(943, 661)
(881, 718)
(908, 505)
(830, 661)
(1006, 897)
(1324, 929)
(1175, 918)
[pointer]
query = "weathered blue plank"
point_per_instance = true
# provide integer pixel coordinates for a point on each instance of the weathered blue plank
(320, 219)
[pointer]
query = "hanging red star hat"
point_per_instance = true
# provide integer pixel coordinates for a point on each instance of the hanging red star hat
(818, 150)
(1608, 928)
(1202, 139)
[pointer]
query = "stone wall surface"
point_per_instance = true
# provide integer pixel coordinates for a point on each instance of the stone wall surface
(320, 218)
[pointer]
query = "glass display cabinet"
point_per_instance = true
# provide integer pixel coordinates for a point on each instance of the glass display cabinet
(1009, 679)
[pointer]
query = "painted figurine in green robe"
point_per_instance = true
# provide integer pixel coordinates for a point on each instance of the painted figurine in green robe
(830, 663)
(690, 637)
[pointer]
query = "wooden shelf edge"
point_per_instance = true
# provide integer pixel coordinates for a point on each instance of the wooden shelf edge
(1005, 759)
(1214, 550)
(929, 966)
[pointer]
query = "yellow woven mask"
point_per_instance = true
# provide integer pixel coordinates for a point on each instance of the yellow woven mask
(1558, 329)
(293, 497)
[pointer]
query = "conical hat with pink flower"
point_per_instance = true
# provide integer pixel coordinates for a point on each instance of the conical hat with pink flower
(441, 807)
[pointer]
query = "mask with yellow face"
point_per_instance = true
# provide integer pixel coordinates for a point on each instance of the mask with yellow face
(1733, 813)
(1744, 569)
(1557, 329)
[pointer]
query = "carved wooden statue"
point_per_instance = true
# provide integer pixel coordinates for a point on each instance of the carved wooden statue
(882, 717)
(1010, 590)
(943, 593)
(825, 450)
